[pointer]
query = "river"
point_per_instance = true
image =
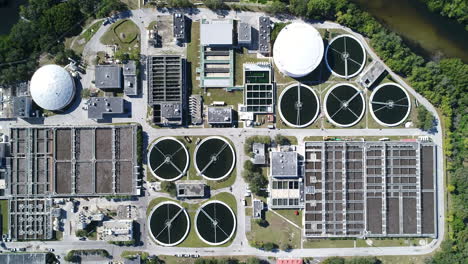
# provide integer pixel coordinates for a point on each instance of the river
(9, 12)
(430, 34)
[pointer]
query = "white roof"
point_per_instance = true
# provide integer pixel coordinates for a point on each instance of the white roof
(52, 87)
(298, 49)
(216, 32)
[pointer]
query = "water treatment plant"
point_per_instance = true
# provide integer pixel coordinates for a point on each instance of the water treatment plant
(168, 159)
(237, 134)
(214, 158)
(169, 223)
(345, 56)
(215, 223)
(344, 105)
(390, 104)
(298, 105)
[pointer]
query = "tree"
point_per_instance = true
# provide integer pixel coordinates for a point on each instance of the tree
(425, 119)
(253, 261)
(298, 7)
(269, 246)
(276, 7)
(286, 247)
(258, 183)
(179, 3)
(81, 233)
(214, 4)
(320, 9)
(169, 187)
(282, 140)
(334, 260)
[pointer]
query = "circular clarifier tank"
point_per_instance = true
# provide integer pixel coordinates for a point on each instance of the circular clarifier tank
(214, 158)
(344, 105)
(168, 159)
(215, 223)
(390, 104)
(345, 56)
(298, 105)
(168, 224)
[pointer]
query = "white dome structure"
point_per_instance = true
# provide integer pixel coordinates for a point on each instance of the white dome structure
(52, 87)
(298, 49)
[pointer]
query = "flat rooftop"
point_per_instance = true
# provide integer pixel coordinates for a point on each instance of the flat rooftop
(191, 189)
(244, 32)
(217, 32)
(108, 77)
(220, 115)
(283, 164)
(99, 107)
(21, 258)
(178, 27)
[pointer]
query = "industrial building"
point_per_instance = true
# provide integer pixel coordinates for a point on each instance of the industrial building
(259, 89)
(130, 78)
(216, 54)
(258, 150)
(102, 107)
(285, 180)
(196, 109)
(191, 189)
(166, 89)
(115, 230)
(257, 209)
(178, 26)
(108, 77)
(370, 189)
(70, 161)
(244, 34)
(264, 31)
(220, 116)
(298, 50)
(52, 87)
(16, 102)
(21, 258)
(30, 219)
(371, 74)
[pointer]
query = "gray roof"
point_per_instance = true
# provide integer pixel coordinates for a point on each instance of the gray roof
(21, 258)
(257, 208)
(171, 110)
(283, 164)
(264, 34)
(178, 27)
(100, 106)
(22, 107)
(129, 68)
(258, 150)
(244, 33)
(219, 115)
(216, 32)
(191, 189)
(108, 77)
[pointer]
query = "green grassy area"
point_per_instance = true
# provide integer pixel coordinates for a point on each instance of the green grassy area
(81, 40)
(230, 98)
(278, 231)
(130, 254)
(291, 215)
(124, 34)
(4, 215)
(151, 25)
(328, 243)
(175, 260)
(155, 202)
(132, 4)
(241, 57)
(404, 259)
(193, 50)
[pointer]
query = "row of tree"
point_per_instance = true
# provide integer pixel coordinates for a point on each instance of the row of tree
(42, 29)
(456, 9)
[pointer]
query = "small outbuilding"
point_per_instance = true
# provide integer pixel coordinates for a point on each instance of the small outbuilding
(99, 107)
(220, 116)
(108, 77)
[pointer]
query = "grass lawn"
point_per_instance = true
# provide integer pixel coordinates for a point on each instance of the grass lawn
(175, 260)
(4, 215)
(290, 215)
(132, 4)
(193, 50)
(404, 259)
(155, 202)
(124, 34)
(278, 231)
(230, 98)
(328, 243)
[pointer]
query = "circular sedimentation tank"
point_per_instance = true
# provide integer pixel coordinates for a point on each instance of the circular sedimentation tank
(298, 105)
(215, 223)
(344, 105)
(168, 224)
(345, 56)
(168, 159)
(214, 158)
(390, 104)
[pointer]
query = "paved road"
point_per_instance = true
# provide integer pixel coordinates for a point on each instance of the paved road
(240, 245)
